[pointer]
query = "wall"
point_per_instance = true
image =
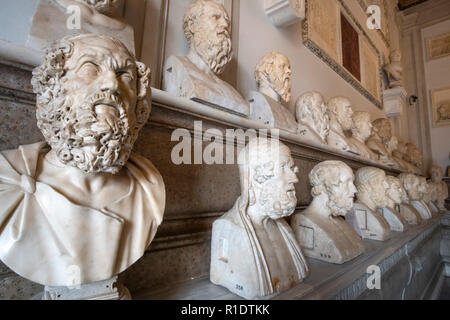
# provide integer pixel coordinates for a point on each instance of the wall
(437, 76)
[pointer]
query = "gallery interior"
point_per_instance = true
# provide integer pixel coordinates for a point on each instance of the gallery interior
(224, 149)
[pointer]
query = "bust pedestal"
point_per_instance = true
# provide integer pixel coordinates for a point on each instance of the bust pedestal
(433, 208)
(102, 290)
(410, 214)
(367, 223)
(394, 101)
(423, 210)
(327, 239)
(284, 13)
(271, 112)
(394, 218)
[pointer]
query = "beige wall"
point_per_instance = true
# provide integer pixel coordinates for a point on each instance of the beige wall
(437, 75)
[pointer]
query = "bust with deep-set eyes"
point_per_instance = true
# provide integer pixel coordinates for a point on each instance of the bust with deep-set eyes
(85, 200)
(393, 199)
(320, 229)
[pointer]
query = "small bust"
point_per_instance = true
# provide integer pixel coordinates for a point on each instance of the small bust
(413, 155)
(253, 250)
(394, 192)
(273, 79)
(207, 28)
(365, 219)
(416, 187)
(380, 139)
(333, 191)
(408, 212)
(312, 117)
(92, 203)
(439, 186)
(394, 69)
(361, 131)
(340, 113)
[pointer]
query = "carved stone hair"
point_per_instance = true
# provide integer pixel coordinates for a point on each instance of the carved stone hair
(359, 116)
(365, 176)
(304, 104)
(335, 101)
(407, 180)
(103, 6)
(326, 174)
(48, 80)
(195, 11)
(378, 123)
(264, 68)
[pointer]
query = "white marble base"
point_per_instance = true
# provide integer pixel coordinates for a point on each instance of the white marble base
(103, 290)
(423, 210)
(396, 221)
(331, 240)
(367, 223)
(284, 13)
(410, 214)
(394, 101)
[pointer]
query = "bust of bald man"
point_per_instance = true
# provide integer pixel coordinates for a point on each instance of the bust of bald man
(273, 78)
(321, 229)
(364, 218)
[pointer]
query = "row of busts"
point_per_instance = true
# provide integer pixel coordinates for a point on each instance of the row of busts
(257, 253)
(333, 124)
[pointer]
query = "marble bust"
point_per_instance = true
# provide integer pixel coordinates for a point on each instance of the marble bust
(394, 69)
(414, 156)
(364, 218)
(254, 252)
(415, 189)
(425, 197)
(439, 186)
(207, 28)
(409, 213)
(312, 117)
(379, 140)
(321, 229)
(431, 196)
(340, 113)
(273, 79)
(85, 201)
(391, 212)
(361, 131)
(96, 16)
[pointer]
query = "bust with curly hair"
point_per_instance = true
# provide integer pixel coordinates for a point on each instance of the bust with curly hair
(321, 229)
(84, 199)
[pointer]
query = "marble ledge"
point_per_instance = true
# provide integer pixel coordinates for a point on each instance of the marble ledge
(165, 100)
(326, 281)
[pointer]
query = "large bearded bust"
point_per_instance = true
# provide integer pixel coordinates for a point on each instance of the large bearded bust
(207, 28)
(91, 204)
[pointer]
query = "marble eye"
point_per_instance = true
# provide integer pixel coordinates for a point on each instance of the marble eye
(125, 76)
(88, 69)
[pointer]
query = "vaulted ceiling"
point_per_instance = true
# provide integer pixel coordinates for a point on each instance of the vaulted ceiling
(405, 4)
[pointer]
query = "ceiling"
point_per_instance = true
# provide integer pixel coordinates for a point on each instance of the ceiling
(405, 4)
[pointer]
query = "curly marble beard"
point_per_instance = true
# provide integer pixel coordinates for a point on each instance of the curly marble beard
(215, 49)
(277, 203)
(285, 91)
(339, 205)
(93, 142)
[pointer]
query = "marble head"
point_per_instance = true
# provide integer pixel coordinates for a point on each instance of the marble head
(394, 191)
(311, 110)
(413, 155)
(273, 74)
(362, 126)
(91, 101)
(340, 108)
(383, 128)
(411, 184)
(103, 6)
(436, 174)
(207, 28)
(334, 181)
(371, 185)
(268, 174)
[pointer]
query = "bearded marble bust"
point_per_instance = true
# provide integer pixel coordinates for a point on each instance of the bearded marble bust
(340, 114)
(379, 141)
(439, 187)
(320, 229)
(96, 16)
(312, 117)
(273, 79)
(413, 155)
(254, 252)
(391, 212)
(409, 213)
(82, 199)
(361, 131)
(207, 28)
(365, 219)
(415, 189)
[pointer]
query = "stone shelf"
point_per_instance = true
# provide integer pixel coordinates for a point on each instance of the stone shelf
(408, 262)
